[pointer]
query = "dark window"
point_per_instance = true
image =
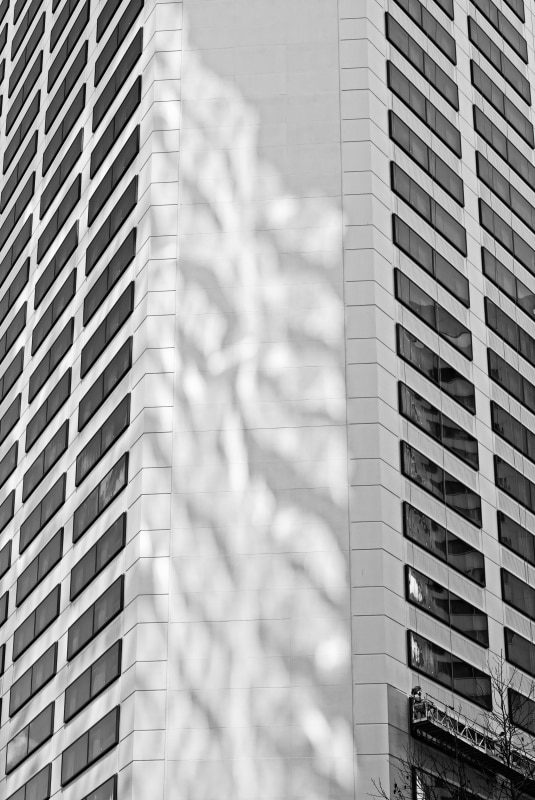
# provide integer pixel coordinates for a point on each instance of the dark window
(13, 331)
(60, 259)
(91, 746)
(449, 670)
(22, 63)
(7, 509)
(60, 136)
(98, 557)
(111, 226)
(10, 418)
(431, 27)
(8, 464)
(103, 440)
(112, 88)
(419, 59)
(507, 193)
(33, 680)
(51, 360)
(37, 788)
(516, 538)
(19, 8)
(66, 87)
(116, 127)
(511, 380)
(37, 622)
(500, 22)
(42, 514)
(15, 289)
(10, 259)
(24, 27)
(17, 210)
(106, 790)
(18, 137)
(116, 38)
(108, 328)
(499, 60)
(54, 311)
(510, 285)
(105, 384)
(14, 371)
(434, 315)
(429, 260)
(15, 179)
(424, 109)
(433, 479)
(62, 20)
(5, 558)
(435, 369)
(68, 45)
(39, 568)
(61, 174)
(506, 149)
(96, 618)
(512, 430)
(513, 483)
(3, 38)
(507, 237)
(519, 651)
(437, 217)
(30, 738)
(521, 711)
(100, 498)
(106, 16)
(65, 208)
(17, 104)
(438, 601)
(101, 674)
(111, 179)
(431, 420)
(46, 413)
(447, 179)
(46, 459)
(501, 103)
(105, 283)
(518, 594)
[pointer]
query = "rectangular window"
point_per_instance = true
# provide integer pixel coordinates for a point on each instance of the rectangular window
(54, 312)
(68, 46)
(98, 557)
(506, 281)
(500, 23)
(111, 227)
(18, 70)
(435, 369)
(66, 87)
(42, 514)
(116, 126)
(17, 104)
(113, 176)
(53, 357)
(44, 462)
(96, 618)
(5, 558)
(511, 380)
(516, 538)
(60, 136)
(17, 210)
(38, 569)
(8, 464)
(60, 259)
(15, 179)
(36, 623)
(519, 651)
(37, 788)
(431, 660)
(100, 498)
(13, 331)
(7, 509)
(116, 39)
(506, 149)
(431, 27)
(18, 137)
(521, 711)
(513, 483)
(16, 249)
(57, 221)
(512, 431)
(105, 384)
(30, 738)
(107, 330)
(507, 193)
(420, 201)
(9, 378)
(506, 236)
(91, 746)
(113, 87)
(518, 594)
(62, 20)
(101, 674)
(15, 289)
(46, 413)
(106, 16)
(61, 174)
(10, 418)
(499, 60)
(501, 103)
(24, 26)
(106, 436)
(33, 680)
(106, 790)
(450, 609)
(109, 277)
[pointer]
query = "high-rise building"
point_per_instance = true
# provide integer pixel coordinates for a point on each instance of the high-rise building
(267, 389)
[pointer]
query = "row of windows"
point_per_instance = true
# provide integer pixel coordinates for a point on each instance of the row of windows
(116, 38)
(106, 436)
(27, 53)
(500, 23)
(96, 618)
(511, 380)
(91, 746)
(98, 556)
(101, 674)
(63, 130)
(45, 461)
(435, 369)
(507, 193)
(68, 46)
(56, 104)
(98, 500)
(512, 430)
(30, 738)
(431, 27)
(105, 384)
(48, 410)
(499, 60)
(426, 158)
(116, 126)
(37, 788)
(437, 425)
(445, 487)
(109, 277)
(506, 236)
(107, 329)
(59, 218)
(37, 570)
(50, 361)
(430, 260)
(36, 623)
(54, 312)
(15, 179)
(443, 544)
(505, 107)
(449, 670)
(33, 680)
(518, 594)
(18, 137)
(22, 30)
(516, 538)
(433, 314)
(113, 87)
(435, 120)
(61, 174)
(510, 285)
(421, 61)
(60, 259)
(514, 483)
(111, 179)
(18, 103)
(111, 227)
(18, 209)
(446, 606)
(519, 651)
(420, 201)
(62, 20)
(42, 514)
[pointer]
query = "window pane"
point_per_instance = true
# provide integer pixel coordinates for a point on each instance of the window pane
(103, 736)
(428, 595)
(108, 606)
(106, 669)
(77, 695)
(430, 659)
(74, 759)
